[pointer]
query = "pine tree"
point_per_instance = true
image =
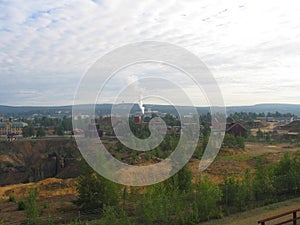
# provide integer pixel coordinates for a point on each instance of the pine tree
(94, 191)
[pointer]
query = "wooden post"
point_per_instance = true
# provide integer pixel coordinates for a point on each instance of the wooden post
(294, 219)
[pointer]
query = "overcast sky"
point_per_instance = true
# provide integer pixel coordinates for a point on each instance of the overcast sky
(251, 47)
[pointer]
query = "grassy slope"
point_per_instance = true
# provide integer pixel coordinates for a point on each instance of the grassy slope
(252, 216)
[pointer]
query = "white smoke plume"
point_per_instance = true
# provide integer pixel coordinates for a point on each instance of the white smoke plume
(141, 105)
(133, 80)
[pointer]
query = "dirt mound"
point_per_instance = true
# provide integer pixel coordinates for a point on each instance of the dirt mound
(34, 160)
(46, 188)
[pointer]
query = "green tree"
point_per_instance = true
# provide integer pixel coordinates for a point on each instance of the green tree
(240, 142)
(160, 205)
(181, 181)
(66, 124)
(230, 189)
(184, 177)
(94, 191)
(237, 193)
(31, 207)
(229, 141)
(288, 174)
(198, 152)
(263, 183)
(259, 135)
(28, 131)
(268, 137)
(171, 120)
(41, 132)
(206, 201)
(59, 130)
(113, 216)
(205, 142)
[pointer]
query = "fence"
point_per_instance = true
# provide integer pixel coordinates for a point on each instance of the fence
(293, 213)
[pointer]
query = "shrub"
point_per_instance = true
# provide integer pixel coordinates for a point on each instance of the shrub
(206, 202)
(49, 220)
(288, 174)
(263, 183)
(21, 205)
(237, 193)
(12, 198)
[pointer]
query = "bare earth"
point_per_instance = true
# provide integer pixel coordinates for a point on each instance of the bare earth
(235, 162)
(56, 195)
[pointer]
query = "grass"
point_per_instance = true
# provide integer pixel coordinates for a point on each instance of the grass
(252, 216)
(235, 157)
(49, 138)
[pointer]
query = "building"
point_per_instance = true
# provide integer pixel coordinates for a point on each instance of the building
(291, 127)
(92, 127)
(16, 128)
(235, 128)
(296, 118)
(138, 119)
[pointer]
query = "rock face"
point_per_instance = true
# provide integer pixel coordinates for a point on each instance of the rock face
(33, 160)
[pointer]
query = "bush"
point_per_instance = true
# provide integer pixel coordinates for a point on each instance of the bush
(112, 216)
(288, 174)
(240, 143)
(231, 141)
(263, 183)
(160, 206)
(206, 202)
(237, 193)
(49, 220)
(12, 198)
(21, 205)
(181, 181)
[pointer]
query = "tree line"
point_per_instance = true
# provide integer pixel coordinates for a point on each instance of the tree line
(248, 116)
(184, 199)
(39, 126)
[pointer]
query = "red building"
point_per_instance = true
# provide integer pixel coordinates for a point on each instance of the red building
(138, 120)
(236, 129)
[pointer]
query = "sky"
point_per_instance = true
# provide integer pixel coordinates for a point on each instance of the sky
(251, 47)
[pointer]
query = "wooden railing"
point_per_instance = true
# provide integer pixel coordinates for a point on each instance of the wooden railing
(293, 213)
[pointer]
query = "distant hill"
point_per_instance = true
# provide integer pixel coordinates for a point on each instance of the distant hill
(260, 108)
(20, 109)
(102, 109)
(272, 108)
(26, 111)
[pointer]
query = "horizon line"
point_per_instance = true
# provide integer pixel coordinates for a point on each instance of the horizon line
(71, 105)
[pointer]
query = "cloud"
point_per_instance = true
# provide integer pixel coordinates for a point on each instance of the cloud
(248, 45)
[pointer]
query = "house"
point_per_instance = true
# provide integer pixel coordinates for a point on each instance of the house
(235, 128)
(291, 127)
(12, 128)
